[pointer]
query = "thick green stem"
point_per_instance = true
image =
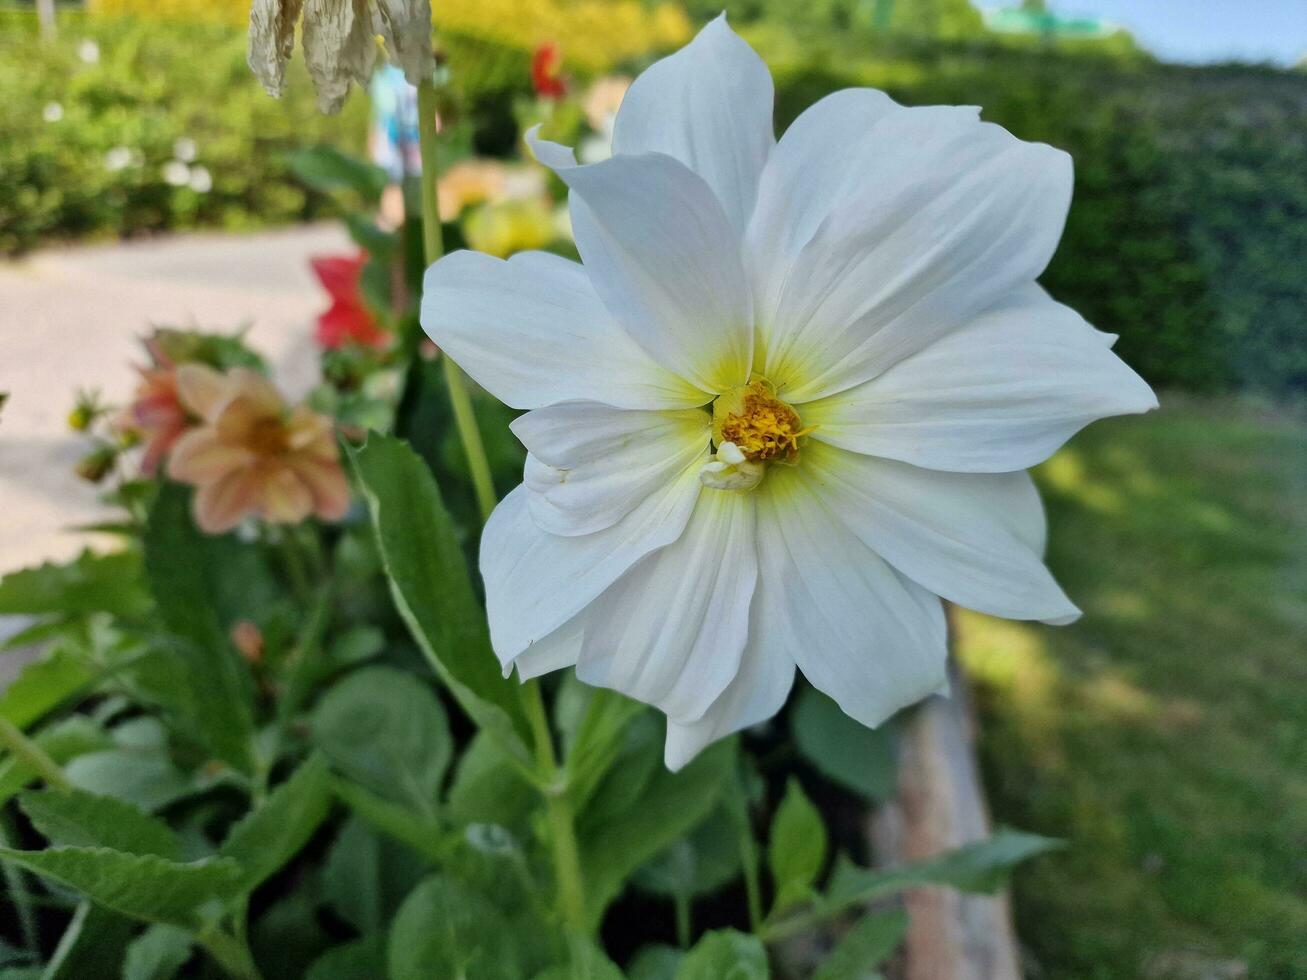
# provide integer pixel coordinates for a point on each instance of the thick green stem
(566, 853)
(32, 755)
(232, 954)
(464, 417)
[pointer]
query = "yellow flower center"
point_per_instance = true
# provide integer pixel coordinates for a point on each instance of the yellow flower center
(268, 437)
(764, 428)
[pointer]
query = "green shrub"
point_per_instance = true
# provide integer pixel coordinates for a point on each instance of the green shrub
(84, 141)
(1187, 229)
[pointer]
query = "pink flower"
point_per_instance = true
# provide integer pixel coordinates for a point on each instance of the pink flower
(156, 411)
(252, 456)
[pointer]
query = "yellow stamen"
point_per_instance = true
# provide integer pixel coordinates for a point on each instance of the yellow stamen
(764, 428)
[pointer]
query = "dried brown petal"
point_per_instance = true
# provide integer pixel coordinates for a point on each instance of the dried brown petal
(339, 47)
(406, 27)
(272, 38)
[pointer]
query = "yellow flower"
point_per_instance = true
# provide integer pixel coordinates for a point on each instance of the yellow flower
(252, 456)
(511, 227)
(477, 181)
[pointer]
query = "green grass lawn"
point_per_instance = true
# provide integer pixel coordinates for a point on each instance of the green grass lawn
(1164, 736)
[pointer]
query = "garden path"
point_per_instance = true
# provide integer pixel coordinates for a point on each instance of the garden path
(70, 318)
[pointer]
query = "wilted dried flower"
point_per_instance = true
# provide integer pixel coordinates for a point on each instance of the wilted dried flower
(97, 464)
(339, 40)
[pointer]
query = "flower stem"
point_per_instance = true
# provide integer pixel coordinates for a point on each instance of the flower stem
(32, 755)
(232, 954)
(567, 855)
(464, 417)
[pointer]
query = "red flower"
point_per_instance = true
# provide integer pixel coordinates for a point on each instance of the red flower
(347, 320)
(547, 72)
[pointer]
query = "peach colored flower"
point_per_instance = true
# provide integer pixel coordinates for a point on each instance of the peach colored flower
(157, 414)
(251, 455)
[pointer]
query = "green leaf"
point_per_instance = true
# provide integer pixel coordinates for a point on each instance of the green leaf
(444, 929)
(982, 866)
(701, 862)
(422, 833)
(870, 942)
(43, 685)
(370, 237)
(796, 848)
(670, 805)
(145, 777)
(725, 955)
(91, 947)
(366, 876)
(143, 886)
(62, 741)
(586, 962)
(326, 169)
(639, 760)
(157, 953)
(598, 740)
(860, 759)
(268, 837)
(363, 958)
(213, 686)
(432, 590)
(655, 962)
(386, 730)
(288, 937)
(109, 583)
(488, 788)
(81, 819)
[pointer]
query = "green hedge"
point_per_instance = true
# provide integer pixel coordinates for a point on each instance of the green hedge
(84, 141)
(1189, 225)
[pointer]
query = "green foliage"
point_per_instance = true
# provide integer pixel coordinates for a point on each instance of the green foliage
(725, 955)
(327, 169)
(445, 929)
(98, 168)
(858, 758)
(796, 849)
(158, 953)
(93, 583)
(81, 819)
(432, 589)
(142, 886)
(270, 835)
(1181, 230)
(870, 941)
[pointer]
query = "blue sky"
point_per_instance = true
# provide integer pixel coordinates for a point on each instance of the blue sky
(1205, 30)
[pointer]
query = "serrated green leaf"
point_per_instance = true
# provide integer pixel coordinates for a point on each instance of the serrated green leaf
(432, 590)
(184, 567)
(266, 838)
(81, 819)
(157, 953)
(366, 876)
(979, 867)
(796, 847)
(386, 730)
(866, 946)
(109, 583)
(327, 169)
(670, 805)
(45, 684)
(143, 886)
(445, 929)
(725, 955)
(860, 759)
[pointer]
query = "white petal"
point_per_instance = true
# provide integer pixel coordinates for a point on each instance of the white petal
(709, 105)
(536, 581)
(665, 260)
(591, 464)
(1003, 393)
(813, 169)
(969, 537)
(947, 215)
(557, 650)
(757, 692)
(532, 332)
(671, 631)
(860, 631)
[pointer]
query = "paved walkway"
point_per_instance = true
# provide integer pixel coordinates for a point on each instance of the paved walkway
(70, 318)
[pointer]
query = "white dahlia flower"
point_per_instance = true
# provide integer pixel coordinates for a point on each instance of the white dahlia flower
(786, 402)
